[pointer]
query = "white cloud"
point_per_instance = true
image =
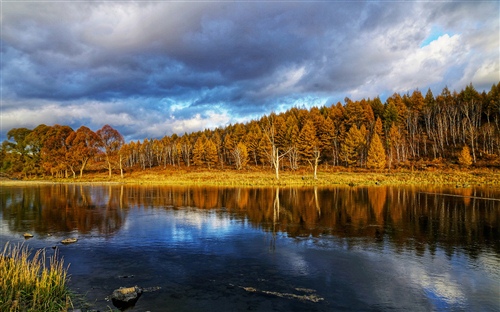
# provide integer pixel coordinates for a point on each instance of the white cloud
(428, 64)
(483, 64)
(132, 120)
(53, 113)
(418, 67)
(487, 72)
(210, 120)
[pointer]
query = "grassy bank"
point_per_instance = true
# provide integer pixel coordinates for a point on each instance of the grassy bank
(255, 177)
(29, 283)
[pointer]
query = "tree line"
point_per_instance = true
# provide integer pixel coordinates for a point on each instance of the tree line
(410, 129)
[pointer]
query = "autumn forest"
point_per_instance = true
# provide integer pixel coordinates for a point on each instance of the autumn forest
(411, 130)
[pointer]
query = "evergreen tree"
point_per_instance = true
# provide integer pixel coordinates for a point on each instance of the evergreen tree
(369, 116)
(228, 148)
(217, 139)
(429, 100)
(390, 115)
(307, 140)
(211, 155)
(264, 151)
(378, 128)
(199, 151)
(252, 141)
(361, 144)
(354, 113)
(377, 107)
(417, 101)
(349, 148)
(376, 154)
(326, 136)
(465, 158)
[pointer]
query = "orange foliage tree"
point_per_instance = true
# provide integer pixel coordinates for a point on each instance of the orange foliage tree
(83, 144)
(110, 143)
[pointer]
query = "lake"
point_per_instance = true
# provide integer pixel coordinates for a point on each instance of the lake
(268, 249)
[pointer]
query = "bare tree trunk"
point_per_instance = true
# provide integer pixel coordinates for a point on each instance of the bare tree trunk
(317, 154)
(109, 165)
(276, 162)
(84, 163)
(121, 166)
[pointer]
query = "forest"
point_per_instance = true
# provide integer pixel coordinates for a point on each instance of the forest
(411, 130)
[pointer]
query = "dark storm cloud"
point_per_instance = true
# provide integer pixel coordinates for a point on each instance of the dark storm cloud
(164, 67)
(231, 45)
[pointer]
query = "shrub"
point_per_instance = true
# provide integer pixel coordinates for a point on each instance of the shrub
(465, 159)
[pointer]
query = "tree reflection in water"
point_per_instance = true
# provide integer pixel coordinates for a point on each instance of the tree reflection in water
(413, 218)
(63, 208)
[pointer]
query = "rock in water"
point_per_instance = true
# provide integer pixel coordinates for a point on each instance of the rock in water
(28, 235)
(69, 240)
(126, 297)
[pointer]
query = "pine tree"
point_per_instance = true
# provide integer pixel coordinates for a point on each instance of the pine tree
(349, 148)
(252, 141)
(228, 148)
(376, 153)
(199, 151)
(217, 139)
(211, 155)
(378, 128)
(390, 115)
(465, 158)
(264, 151)
(362, 146)
(307, 140)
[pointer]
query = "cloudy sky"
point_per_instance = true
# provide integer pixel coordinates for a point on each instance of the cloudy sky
(153, 68)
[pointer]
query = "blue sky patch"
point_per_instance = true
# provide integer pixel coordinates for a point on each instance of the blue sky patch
(436, 32)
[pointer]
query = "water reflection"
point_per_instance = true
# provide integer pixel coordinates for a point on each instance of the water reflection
(63, 208)
(409, 218)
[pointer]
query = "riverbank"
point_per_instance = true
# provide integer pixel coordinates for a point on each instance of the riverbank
(259, 178)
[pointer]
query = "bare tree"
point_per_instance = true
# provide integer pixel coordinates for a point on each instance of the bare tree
(315, 161)
(274, 153)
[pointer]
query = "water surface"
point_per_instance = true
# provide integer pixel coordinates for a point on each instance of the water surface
(262, 249)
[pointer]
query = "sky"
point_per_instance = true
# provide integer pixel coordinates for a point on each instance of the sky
(154, 68)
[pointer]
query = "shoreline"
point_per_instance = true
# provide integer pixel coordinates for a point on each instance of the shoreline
(231, 178)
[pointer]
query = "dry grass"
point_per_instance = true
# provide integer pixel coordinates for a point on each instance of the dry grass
(260, 177)
(28, 283)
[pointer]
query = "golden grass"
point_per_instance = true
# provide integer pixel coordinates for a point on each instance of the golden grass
(29, 284)
(263, 178)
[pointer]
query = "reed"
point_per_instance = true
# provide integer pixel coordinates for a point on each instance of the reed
(29, 283)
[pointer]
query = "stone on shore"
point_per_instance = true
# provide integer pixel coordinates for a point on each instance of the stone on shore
(126, 297)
